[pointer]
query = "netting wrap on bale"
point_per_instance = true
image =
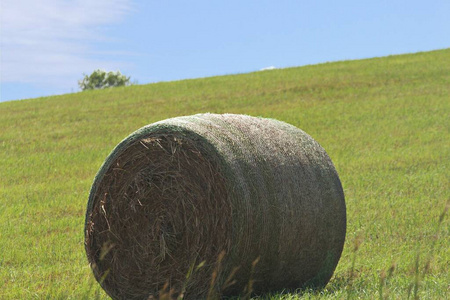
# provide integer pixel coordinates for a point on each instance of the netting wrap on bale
(214, 205)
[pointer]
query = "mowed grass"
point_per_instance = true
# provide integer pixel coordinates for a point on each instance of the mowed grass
(383, 121)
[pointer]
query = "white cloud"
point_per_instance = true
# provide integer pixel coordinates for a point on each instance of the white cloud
(268, 68)
(52, 42)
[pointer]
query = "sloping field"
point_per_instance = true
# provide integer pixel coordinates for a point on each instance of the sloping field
(383, 121)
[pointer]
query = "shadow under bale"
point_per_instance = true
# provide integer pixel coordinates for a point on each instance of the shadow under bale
(181, 192)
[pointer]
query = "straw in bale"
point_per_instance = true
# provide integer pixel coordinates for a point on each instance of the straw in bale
(179, 193)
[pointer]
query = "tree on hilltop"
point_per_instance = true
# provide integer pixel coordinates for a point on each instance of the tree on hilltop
(100, 79)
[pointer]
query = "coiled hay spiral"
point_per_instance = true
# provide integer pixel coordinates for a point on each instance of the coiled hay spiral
(182, 192)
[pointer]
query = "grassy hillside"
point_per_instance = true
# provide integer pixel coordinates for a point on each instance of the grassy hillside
(383, 121)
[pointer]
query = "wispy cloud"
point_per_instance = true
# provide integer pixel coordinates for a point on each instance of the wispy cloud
(52, 42)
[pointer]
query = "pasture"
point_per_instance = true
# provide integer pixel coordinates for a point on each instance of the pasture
(383, 121)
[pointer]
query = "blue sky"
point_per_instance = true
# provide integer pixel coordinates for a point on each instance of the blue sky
(47, 45)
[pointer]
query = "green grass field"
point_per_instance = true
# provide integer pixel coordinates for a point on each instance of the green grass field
(383, 121)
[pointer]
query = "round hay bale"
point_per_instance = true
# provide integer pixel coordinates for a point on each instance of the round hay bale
(210, 205)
